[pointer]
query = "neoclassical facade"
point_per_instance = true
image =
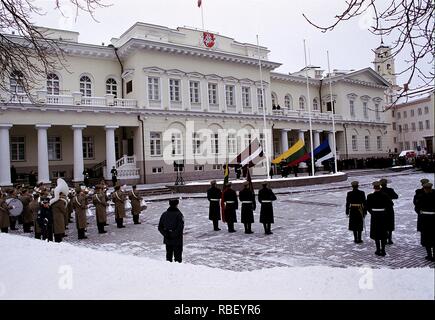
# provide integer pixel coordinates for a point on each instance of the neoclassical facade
(157, 95)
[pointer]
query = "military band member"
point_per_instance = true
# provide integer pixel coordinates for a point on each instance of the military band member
(425, 206)
(419, 192)
(12, 193)
(34, 208)
(45, 218)
(25, 199)
(214, 197)
(231, 205)
(266, 197)
(171, 226)
(378, 204)
(100, 202)
(356, 211)
(59, 209)
(4, 214)
(135, 200)
(247, 199)
(390, 213)
(119, 199)
(70, 208)
(80, 206)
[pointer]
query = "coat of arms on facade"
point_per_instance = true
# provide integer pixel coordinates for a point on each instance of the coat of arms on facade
(208, 39)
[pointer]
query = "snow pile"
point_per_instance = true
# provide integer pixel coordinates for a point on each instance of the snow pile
(41, 270)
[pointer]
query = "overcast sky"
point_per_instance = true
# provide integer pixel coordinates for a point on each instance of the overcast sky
(279, 24)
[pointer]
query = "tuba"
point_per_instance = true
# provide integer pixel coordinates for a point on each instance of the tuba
(62, 186)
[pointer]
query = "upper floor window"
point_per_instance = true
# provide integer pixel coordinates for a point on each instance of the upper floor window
(214, 143)
(426, 110)
(232, 143)
(367, 142)
(398, 115)
(16, 82)
(174, 90)
(194, 92)
(420, 125)
(274, 99)
(288, 101)
(301, 103)
(112, 87)
(176, 144)
(365, 110)
(52, 84)
(378, 114)
(153, 88)
(260, 94)
(212, 93)
(196, 141)
(352, 107)
(394, 126)
(315, 105)
(412, 112)
(379, 142)
(86, 86)
(246, 97)
(413, 126)
(354, 143)
(405, 114)
(419, 112)
(155, 143)
(229, 95)
(427, 124)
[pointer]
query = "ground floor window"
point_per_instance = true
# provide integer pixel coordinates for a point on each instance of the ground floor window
(18, 148)
(54, 148)
(199, 168)
(157, 170)
(88, 148)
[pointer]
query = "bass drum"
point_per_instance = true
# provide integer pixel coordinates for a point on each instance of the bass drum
(17, 206)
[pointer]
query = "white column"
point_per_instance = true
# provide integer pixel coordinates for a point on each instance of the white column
(5, 156)
(78, 152)
(331, 141)
(284, 140)
(110, 149)
(43, 172)
(302, 137)
(316, 134)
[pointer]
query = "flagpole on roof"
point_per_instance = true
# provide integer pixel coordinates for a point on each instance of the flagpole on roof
(333, 115)
(309, 110)
(202, 13)
(263, 101)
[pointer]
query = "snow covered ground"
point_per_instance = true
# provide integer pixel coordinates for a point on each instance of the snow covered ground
(311, 254)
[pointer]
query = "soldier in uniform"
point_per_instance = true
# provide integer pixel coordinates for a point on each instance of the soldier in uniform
(114, 173)
(231, 205)
(34, 208)
(266, 197)
(45, 219)
(378, 204)
(214, 197)
(419, 192)
(425, 207)
(135, 204)
(80, 206)
(59, 209)
(100, 202)
(4, 214)
(356, 211)
(119, 199)
(171, 226)
(25, 199)
(390, 213)
(12, 193)
(247, 199)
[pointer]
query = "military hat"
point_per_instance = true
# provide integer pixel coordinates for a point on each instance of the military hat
(354, 183)
(174, 202)
(246, 183)
(212, 182)
(424, 181)
(383, 181)
(376, 185)
(427, 185)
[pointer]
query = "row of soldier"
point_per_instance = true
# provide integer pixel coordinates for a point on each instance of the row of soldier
(382, 222)
(50, 215)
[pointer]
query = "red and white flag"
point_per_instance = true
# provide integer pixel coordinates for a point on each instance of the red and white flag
(199, 3)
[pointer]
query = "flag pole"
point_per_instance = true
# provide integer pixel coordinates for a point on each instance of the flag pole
(309, 110)
(264, 112)
(202, 16)
(333, 115)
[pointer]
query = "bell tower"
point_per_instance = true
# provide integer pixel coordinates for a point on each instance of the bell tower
(384, 63)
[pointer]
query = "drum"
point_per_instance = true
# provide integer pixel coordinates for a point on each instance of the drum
(17, 206)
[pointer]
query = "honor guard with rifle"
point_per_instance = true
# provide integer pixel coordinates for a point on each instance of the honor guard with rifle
(356, 211)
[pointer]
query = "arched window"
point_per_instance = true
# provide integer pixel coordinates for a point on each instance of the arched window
(111, 87)
(315, 105)
(301, 103)
(16, 82)
(52, 84)
(86, 86)
(288, 102)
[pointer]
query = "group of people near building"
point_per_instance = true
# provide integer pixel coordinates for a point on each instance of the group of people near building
(380, 205)
(49, 212)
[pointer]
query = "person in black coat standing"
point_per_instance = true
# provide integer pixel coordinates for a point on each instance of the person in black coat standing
(390, 213)
(266, 197)
(32, 179)
(247, 199)
(356, 211)
(45, 219)
(231, 205)
(418, 193)
(214, 197)
(171, 226)
(378, 204)
(425, 207)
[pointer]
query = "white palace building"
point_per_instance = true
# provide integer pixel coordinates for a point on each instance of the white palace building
(155, 95)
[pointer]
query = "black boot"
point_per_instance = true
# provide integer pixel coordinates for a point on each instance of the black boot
(390, 235)
(359, 237)
(355, 236)
(81, 234)
(119, 223)
(136, 219)
(57, 238)
(231, 227)
(269, 227)
(216, 225)
(383, 253)
(249, 228)
(101, 228)
(429, 253)
(265, 227)
(378, 247)
(246, 227)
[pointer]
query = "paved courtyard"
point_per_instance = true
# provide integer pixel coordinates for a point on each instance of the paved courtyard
(310, 230)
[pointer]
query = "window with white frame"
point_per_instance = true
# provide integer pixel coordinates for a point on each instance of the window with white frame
(301, 103)
(352, 108)
(379, 142)
(260, 94)
(426, 110)
(18, 148)
(153, 89)
(405, 127)
(288, 102)
(400, 128)
(214, 143)
(413, 126)
(395, 140)
(54, 147)
(53, 84)
(198, 168)
(174, 90)
(365, 110)
(217, 167)
(248, 139)
(196, 141)
(86, 86)
(229, 95)
(427, 124)
(246, 97)
(16, 82)
(354, 143)
(394, 126)
(176, 144)
(112, 87)
(157, 170)
(194, 92)
(405, 114)
(419, 111)
(398, 115)
(420, 125)
(58, 174)
(412, 112)
(378, 115)
(367, 142)
(315, 105)
(232, 143)
(155, 143)
(212, 93)
(88, 148)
